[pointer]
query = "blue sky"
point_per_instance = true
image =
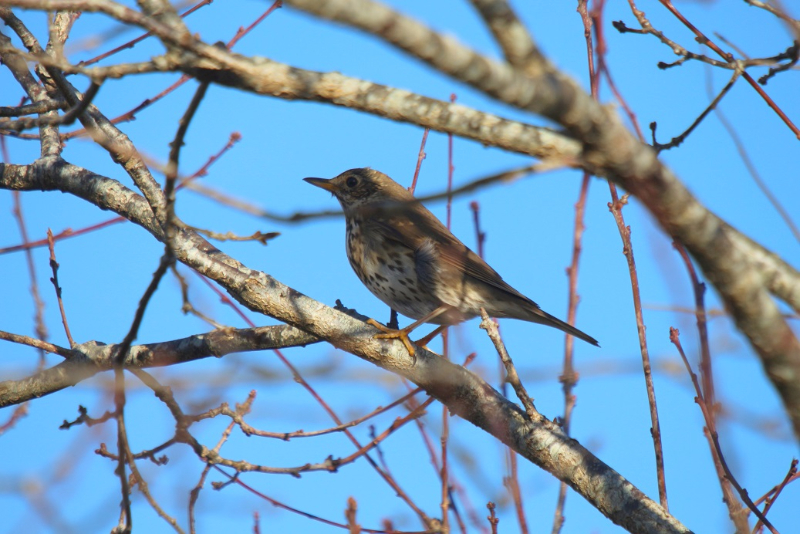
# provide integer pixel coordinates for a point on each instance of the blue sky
(529, 225)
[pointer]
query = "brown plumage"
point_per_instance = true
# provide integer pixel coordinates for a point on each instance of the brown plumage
(413, 263)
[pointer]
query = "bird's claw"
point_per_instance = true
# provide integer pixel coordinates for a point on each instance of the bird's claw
(391, 333)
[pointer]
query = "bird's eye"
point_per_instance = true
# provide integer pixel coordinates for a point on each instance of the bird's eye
(352, 181)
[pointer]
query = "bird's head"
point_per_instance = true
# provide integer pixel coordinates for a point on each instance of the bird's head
(358, 188)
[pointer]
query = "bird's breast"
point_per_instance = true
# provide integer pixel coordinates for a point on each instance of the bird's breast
(388, 270)
(355, 247)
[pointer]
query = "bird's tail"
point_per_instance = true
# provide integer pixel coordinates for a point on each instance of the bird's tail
(542, 317)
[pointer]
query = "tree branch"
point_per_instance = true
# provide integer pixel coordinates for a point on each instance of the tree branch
(88, 359)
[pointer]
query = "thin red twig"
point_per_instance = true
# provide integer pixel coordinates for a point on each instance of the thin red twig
(712, 436)
(707, 397)
(27, 245)
(776, 491)
(236, 480)
(39, 325)
(706, 371)
(244, 31)
(38, 319)
(602, 68)
(420, 156)
(569, 378)
(234, 138)
(450, 169)
(615, 206)
(137, 40)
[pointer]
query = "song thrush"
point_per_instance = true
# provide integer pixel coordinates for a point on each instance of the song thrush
(411, 261)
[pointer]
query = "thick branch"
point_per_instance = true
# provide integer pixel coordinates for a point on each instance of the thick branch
(90, 358)
(511, 34)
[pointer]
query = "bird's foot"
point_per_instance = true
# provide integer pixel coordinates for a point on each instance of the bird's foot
(391, 333)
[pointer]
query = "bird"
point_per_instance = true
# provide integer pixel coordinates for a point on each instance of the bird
(408, 259)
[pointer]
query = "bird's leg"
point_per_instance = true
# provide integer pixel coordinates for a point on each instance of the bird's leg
(402, 334)
(393, 323)
(423, 342)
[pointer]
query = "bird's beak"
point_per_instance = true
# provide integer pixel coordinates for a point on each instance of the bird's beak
(323, 183)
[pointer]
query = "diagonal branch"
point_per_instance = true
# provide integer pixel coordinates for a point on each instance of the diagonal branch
(511, 34)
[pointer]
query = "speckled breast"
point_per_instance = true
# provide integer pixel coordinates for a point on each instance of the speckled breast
(387, 269)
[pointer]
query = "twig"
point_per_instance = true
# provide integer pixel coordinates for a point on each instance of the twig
(602, 67)
(18, 413)
(244, 31)
(30, 109)
(119, 387)
(261, 237)
(706, 371)
(420, 156)
(511, 372)
(136, 475)
(569, 378)
(387, 477)
(480, 236)
(234, 138)
(330, 464)
(615, 207)
(350, 515)
(125, 345)
(445, 474)
(753, 171)
(36, 343)
(187, 307)
(126, 518)
(85, 418)
(131, 115)
(133, 42)
(175, 146)
(54, 266)
(713, 438)
(238, 420)
(66, 119)
(493, 519)
(776, 491)
(233, 479)
(28, 245)
(701, 38)
(677, 140)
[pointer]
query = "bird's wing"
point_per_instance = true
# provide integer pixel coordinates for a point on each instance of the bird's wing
(431, 240)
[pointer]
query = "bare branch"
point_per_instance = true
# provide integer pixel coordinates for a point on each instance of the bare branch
(90, 358)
